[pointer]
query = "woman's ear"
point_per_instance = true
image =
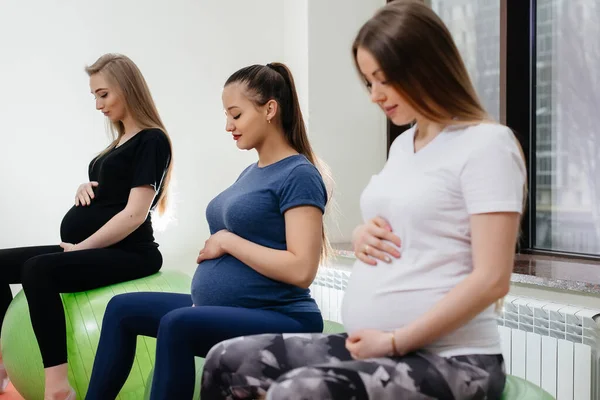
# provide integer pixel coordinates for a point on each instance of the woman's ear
(271, 108)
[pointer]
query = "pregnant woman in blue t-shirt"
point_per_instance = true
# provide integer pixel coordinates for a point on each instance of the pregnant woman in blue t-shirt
(107, 234)
(254, 271)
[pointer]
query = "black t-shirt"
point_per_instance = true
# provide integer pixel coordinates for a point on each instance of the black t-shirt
(142, 160)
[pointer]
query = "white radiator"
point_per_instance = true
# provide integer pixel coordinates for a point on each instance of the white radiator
(552, 345)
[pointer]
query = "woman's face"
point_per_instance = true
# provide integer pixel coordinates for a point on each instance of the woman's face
(382, 92)
(246, 121)
(108, 98)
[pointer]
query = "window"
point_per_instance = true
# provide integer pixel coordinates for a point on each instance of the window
(475, 27)
(567, 126)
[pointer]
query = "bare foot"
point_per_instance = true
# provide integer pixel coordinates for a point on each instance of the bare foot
(3, 379)
(64, 394)
(57, 383)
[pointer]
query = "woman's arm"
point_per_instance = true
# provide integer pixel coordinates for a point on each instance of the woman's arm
(124, 223)
(493, 239)
(299, 263)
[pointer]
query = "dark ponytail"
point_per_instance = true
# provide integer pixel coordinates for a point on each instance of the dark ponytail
(291, 114)
(274, 81)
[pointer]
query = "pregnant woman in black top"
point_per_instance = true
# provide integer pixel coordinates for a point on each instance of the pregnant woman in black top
(107, 235)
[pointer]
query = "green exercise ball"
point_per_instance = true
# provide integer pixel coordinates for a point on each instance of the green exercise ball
(520, 389)
(84, 312)
(328, 327)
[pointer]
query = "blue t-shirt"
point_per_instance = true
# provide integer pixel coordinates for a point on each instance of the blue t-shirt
(253, 209)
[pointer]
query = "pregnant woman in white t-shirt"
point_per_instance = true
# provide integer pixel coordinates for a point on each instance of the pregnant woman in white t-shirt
(435, 253)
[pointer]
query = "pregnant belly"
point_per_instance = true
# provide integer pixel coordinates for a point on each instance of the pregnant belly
(378, 298)
(228, 282)
(79, 223)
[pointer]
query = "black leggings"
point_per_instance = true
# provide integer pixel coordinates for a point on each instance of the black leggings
(47, 271)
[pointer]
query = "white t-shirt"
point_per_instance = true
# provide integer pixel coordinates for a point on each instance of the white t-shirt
(427, 197)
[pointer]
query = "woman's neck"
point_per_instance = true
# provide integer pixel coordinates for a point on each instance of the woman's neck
(130, 126)
(428, 130)
(273, 149)
(425, 132)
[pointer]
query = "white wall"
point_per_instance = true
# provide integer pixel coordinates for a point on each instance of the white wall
(295, 52)
(347, 130)
(186, 49)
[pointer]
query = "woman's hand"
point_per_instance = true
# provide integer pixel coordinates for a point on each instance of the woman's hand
(68, 246)
(85, 193)
(374, 241)
(370, 343)
(213, 247)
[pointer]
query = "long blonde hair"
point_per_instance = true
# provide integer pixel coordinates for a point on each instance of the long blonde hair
(124, 75)
(418, 56)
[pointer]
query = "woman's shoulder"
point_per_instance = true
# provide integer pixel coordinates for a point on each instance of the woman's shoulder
(298, 171)
(485, 133)
(154, 138)
(290, 166)
(480, 138)
(150, 134)
(492, 145)
(301, 166)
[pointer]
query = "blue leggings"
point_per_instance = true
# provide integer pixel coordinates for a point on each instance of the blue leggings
(182, 332)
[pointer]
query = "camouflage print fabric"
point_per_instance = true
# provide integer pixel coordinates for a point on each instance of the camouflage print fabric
(318, 366)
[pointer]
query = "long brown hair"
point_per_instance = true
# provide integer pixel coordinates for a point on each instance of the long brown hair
(125, 76)
(274, 81)
(418, 56)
